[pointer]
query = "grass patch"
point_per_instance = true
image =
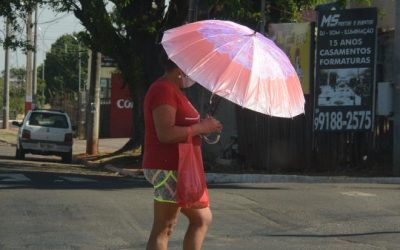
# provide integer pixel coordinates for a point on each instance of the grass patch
(8, 136)
(125, 160)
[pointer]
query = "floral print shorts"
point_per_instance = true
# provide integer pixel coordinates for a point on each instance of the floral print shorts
(164, 183)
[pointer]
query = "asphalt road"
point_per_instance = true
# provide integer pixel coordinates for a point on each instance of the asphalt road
(48, 205)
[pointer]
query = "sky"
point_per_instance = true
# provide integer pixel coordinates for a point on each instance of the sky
(51, 26)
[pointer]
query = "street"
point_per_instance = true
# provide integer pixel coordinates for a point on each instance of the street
(49, 205)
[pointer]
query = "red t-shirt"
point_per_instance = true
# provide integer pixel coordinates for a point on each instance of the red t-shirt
(165, 155)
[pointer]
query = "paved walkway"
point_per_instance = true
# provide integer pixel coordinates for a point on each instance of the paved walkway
(111, 145)
(105, 145)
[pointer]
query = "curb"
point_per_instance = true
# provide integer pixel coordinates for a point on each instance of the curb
(262, 178)
(122, 171)
(216, 178)
(7, 142)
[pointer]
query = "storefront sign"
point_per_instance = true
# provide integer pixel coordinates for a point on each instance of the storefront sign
(121, 121)
(345, 70)
(295, 40)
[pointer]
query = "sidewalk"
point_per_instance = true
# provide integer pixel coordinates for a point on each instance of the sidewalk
(128, 165)
(111, 145)
(105, 145)
(8, 136)
(265, 178)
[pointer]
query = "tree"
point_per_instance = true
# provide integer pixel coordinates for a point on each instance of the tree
(17, 90)
(129, 31)
(130, 34)
(62, 62)
(247, 12)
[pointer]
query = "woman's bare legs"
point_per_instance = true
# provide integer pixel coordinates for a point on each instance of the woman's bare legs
(165, 218)
(199, 221)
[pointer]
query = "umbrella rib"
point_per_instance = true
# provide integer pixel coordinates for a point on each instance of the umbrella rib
(251, 75)
(197, 41)
(255, 73)
(207, 57)
(185, 47)
(241, 69)
(195, 31)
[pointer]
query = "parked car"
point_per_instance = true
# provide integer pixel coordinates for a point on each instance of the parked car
(45, 132)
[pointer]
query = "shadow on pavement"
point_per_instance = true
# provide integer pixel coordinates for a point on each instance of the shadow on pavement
(54, 181)
(243, 186)
(331, 235)
(48, 159)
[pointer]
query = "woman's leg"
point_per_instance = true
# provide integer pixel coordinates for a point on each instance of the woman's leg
(199, 221)
(165, 218)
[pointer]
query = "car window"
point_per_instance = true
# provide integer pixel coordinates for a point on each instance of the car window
(48, 120)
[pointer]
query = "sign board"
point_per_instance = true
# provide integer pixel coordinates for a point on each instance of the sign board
(295, 40)
(121, 120)
(345, 70)
(107, 62)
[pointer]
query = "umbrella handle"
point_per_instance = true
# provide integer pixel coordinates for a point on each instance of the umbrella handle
(212, 141)
(212, 106)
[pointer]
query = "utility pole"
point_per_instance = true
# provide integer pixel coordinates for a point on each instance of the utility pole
(81, 97)
(6, 94)
(87, 90)
(29, 33)
(34, 74)
(92, 145)
(396, 108)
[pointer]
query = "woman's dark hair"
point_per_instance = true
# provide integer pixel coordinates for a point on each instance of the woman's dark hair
(167, 63)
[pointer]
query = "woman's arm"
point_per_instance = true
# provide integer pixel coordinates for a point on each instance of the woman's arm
(168, 132)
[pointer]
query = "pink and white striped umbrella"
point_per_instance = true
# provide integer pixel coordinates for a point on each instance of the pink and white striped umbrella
(238, 64)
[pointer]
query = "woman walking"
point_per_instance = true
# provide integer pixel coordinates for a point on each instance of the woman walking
(170, 119)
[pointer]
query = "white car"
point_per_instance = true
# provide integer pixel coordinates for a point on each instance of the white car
(45, 132)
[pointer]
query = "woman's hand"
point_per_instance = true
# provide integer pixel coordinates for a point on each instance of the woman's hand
(168, 132)
(210, 125)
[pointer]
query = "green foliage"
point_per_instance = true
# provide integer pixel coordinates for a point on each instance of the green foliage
(129, 31)
(62, 65)
(17, 90)
(1, 93)
(41, 88)
(248, 12)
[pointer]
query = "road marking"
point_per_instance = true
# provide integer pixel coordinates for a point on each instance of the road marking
(13, 177)
(8, 178)
(358, 194)
(77, 179)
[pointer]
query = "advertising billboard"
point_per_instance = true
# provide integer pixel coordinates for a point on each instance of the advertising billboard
(295, 40)
(345, 70)
(121, 120)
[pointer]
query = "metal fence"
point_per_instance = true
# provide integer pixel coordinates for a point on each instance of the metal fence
(290, 145)
(68, 102)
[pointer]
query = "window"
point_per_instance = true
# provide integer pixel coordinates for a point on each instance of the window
(48, 120)
(105, 88)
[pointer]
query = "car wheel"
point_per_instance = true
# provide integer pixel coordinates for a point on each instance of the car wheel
(67, 157)
(20, 154)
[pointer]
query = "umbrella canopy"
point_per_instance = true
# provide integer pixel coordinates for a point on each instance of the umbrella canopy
(238, 64)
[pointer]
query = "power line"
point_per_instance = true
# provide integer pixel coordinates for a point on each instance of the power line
(56, 19)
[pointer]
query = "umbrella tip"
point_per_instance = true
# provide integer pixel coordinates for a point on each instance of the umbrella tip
(253, 34)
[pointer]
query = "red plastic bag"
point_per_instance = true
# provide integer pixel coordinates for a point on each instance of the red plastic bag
(191, 182)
